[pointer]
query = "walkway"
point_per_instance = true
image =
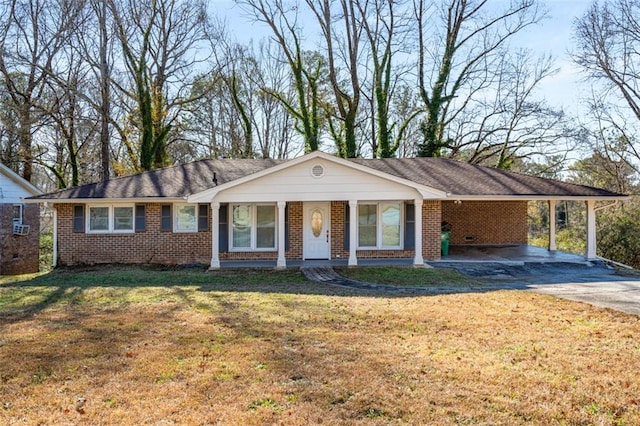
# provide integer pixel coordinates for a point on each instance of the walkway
(327, 275)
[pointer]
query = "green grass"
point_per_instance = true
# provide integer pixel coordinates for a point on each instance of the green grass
(411, 277)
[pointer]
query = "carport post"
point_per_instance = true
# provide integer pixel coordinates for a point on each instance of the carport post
(591, 230)
(552, 225)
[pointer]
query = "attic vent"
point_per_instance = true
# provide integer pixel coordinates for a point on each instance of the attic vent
(20, 229)
(317, 171)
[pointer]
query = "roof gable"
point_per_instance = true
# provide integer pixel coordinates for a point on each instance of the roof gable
(13, 187)
(345, 178)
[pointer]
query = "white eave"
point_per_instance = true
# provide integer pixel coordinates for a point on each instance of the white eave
(534, 197)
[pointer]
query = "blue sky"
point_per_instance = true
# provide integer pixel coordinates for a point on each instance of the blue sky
(553, 35)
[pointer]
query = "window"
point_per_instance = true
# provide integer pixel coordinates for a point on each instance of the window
(253, 227)
(379, 225)
(18, 214)
(110, 218)
(123, 218)
(186, 218)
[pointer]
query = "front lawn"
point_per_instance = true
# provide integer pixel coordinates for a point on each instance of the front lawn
(148, 346)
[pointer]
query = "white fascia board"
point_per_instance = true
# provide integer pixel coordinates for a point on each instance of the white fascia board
(104, 200)
(209, 194)
(533, 197)
(28, 186)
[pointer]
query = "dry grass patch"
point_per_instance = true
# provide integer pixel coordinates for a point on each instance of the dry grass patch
(210, 349)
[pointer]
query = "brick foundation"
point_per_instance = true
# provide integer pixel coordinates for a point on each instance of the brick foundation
(19, 254)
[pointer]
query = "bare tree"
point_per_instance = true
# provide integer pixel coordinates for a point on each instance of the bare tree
(32, 33)
(305, 69)
(159, 50)
(607, 45)
(461, 57)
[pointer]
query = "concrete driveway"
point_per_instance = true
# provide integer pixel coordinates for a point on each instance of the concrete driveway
(590, 282)
(619, 295)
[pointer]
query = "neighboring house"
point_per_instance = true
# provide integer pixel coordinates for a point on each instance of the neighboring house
(316, 206)
(19, 225)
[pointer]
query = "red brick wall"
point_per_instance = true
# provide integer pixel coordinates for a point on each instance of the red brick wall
(430, 231)
(431, 220)
(19, 254)
(150, 247)
(486, 222)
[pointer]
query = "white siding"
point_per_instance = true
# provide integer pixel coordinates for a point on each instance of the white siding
(10, 191)
(339, 182)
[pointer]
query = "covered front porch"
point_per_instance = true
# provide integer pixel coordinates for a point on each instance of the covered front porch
(507, 254)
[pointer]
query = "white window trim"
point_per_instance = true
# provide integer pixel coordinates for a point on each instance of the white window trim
(19, 221)
(254, 228)
(111, 218)
(175, 208)
(379, 245)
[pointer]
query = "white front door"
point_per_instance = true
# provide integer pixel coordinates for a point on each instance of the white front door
(316, 228)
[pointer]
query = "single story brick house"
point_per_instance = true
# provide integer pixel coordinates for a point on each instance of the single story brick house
(19, 225)
(316, 206)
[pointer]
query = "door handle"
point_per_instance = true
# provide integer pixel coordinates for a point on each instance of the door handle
(327, 235)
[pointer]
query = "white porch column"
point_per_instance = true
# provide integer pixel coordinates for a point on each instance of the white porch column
(353, 229)
(591, 230)
(215, 236)
(282, 261)
(552, 225)
(418, 260)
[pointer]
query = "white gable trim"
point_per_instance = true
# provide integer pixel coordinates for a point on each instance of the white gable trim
(19, 180)
(210, 194)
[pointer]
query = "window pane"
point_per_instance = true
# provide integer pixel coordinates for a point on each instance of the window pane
(367, 235)
(316, 222)
(123, 218)
(17, 214)
(98, 218)
(391, 225)
(266, 227)
(186, 218)
(241, 226)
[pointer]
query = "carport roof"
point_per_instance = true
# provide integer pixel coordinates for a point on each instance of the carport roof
(457, 179)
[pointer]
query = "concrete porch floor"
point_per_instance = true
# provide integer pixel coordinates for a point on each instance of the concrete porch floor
(507, 254)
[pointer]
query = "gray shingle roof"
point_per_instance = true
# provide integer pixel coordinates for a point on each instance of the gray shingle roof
(453, 177)
(458, 178)
(170, 182)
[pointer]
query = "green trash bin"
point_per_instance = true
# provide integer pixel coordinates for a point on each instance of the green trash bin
(445, 236)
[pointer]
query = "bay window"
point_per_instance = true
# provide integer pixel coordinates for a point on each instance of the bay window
(379, 225)
(253, 227)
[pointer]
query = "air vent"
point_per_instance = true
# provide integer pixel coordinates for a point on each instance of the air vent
(317, 171)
